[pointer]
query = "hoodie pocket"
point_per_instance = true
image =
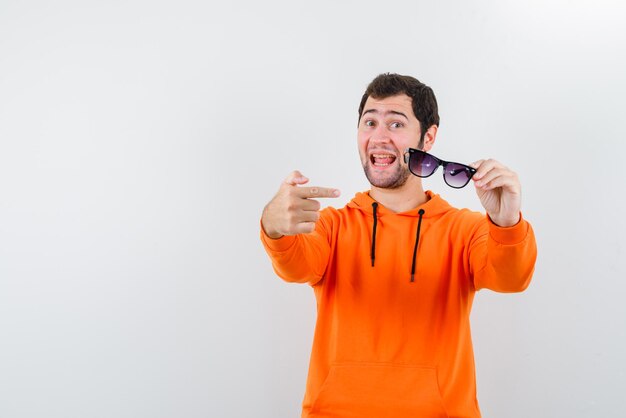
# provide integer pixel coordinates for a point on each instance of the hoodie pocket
(361, 390)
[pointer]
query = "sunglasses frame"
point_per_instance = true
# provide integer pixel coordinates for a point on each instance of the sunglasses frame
(410, 151)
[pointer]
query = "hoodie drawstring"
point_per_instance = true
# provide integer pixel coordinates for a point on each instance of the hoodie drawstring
(373, 253)
(417, 240)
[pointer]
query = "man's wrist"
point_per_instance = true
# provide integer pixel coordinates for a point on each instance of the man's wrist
(505, 222)
(269, 232)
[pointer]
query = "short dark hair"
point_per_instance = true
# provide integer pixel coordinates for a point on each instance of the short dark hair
(422, 97)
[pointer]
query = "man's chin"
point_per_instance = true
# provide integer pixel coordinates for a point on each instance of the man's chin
(386, 180)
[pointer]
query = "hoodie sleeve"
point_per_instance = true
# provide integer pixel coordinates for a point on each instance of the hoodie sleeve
(300, 258)
(503, 259)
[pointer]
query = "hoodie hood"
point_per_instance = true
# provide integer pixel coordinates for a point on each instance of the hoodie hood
(434, 207)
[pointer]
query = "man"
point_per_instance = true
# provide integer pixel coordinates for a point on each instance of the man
(395, 271)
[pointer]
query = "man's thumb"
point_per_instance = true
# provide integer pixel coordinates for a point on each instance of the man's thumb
(296, 178)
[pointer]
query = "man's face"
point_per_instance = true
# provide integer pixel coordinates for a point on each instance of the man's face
(387, 127)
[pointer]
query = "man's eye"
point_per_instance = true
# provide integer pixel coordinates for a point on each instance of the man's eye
(369, 123)
(397, 125)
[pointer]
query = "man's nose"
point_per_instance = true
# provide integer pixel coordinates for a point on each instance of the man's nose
(381, 134)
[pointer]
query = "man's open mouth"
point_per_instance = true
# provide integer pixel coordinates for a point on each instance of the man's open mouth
(382, 160)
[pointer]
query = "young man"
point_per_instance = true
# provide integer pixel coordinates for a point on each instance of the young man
(395, 271)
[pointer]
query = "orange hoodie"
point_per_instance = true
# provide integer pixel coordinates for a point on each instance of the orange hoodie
(387, 345)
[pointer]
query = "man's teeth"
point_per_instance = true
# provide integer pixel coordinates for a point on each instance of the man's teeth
(383, 159)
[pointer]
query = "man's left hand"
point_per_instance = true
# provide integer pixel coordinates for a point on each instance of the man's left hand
(499, 191)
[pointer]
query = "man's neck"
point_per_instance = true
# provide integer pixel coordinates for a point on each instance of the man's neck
(400, 200)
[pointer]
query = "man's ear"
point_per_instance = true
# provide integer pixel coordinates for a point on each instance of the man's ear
(429, 138)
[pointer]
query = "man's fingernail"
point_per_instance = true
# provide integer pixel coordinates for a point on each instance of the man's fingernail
(335, 193)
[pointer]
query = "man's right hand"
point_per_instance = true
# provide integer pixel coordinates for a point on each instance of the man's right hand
(293, 210)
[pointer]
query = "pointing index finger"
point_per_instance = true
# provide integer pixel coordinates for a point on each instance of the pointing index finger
(309, 192)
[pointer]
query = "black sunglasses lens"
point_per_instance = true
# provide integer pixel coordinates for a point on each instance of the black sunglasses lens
(457, 175)
(422, 164)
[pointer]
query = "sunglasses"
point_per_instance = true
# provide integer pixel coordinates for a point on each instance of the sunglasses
(424, 165)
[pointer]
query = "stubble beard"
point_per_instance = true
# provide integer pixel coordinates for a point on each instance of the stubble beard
(394, 180)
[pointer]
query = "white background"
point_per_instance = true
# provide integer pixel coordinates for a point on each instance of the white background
(140, 140)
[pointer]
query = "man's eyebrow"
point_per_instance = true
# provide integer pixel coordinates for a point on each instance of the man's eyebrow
(393, 112)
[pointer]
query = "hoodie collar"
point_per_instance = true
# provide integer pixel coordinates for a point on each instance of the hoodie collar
(433, 207)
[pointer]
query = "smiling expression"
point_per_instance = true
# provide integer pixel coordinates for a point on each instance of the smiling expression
(387, 127)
